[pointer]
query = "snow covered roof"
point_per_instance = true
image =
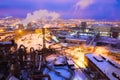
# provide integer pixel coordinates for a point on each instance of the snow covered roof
(106, 68)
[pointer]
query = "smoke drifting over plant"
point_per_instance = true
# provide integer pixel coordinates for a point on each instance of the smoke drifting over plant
(40, 15)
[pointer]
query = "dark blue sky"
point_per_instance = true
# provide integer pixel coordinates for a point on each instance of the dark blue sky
(95, 9)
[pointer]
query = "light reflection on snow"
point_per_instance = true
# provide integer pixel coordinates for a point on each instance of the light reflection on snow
(77, 78)
(77, 55)
(32, 40)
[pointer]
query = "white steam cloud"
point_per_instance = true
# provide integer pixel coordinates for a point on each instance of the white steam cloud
(40, 15)
(84, 3)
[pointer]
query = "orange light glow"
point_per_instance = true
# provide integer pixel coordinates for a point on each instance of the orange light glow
(19, 31)
(38, 31)
(77, 55)
(1, 30)
(101, 50)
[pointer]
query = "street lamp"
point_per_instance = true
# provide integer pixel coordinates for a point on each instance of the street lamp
(1, 30)
(19, 31)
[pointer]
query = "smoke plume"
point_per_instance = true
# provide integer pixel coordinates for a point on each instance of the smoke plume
(84, 3)
(40, 15)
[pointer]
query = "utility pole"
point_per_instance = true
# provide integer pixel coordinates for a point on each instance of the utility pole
(43, 33)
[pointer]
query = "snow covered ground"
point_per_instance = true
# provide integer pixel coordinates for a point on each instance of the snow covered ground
(32, 40)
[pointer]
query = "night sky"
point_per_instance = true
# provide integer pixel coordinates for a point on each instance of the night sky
(92, 9)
